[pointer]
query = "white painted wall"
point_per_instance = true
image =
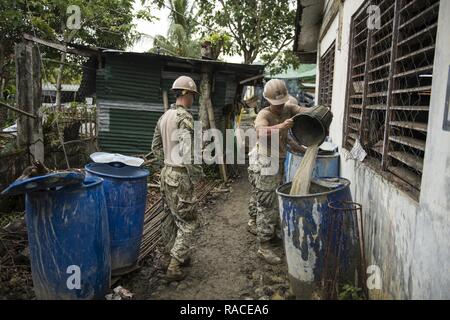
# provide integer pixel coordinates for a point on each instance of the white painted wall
(431, 267)
(408, 240)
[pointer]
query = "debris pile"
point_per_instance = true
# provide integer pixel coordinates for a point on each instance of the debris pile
(120, 293)
(15, 270)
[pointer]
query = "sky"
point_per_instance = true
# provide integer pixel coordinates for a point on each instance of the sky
(159, 27)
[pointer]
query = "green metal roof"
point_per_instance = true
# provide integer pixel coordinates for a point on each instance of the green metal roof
(305, 71)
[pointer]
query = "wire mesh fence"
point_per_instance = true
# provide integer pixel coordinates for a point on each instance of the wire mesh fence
(345, 226)
(391, 71)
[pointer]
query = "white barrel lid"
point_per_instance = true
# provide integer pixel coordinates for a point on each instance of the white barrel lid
(105, 157)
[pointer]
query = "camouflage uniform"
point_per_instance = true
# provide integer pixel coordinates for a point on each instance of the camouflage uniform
(263, 205)
(177, 188)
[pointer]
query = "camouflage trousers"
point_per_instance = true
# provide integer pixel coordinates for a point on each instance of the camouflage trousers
(180, 222)
(263, 204)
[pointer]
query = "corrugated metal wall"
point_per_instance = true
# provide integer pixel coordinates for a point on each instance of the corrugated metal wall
(129, 103)
(129, 91)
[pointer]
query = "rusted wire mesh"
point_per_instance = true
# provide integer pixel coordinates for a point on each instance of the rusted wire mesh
(326, 71)
(344, 227)
(390, 77)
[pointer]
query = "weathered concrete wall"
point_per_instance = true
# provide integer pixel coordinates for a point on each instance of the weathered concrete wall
(408, 240)
(431, 267)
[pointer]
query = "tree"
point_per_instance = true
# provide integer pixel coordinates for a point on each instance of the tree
(180, 36)
(105, 23)
(261, 29)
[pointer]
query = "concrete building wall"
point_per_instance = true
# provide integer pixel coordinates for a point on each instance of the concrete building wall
(407, 239)
(431, 267)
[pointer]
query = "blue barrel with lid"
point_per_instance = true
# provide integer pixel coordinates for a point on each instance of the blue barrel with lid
(68, 238)
(126, 193)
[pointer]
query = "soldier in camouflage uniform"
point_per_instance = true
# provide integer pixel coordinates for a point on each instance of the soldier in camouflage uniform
(173, 142)
(263, 204)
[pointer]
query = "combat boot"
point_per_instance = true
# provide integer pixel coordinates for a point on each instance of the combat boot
(174, 271)
(251, 226)
(266, 252)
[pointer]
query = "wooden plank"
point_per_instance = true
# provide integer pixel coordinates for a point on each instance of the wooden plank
(415, 53)
(419, 16)
(385, 160)
(353, 136)
(381, 40)
(414, 71)
(377, 94)
(419, 126)
(411, 108)
(29, 93)
(418, 34)
(388, 23)
(378, 147)
(381, 54)
(18, 110)
(408, 141)
(357, 75)
(62, 47)
(384, 66)
(415, 89)
(376, 107)
(379, 80)
(406, 175)
(408, 159)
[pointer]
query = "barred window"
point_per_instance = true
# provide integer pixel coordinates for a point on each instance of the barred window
(389, 85)
(326, 70)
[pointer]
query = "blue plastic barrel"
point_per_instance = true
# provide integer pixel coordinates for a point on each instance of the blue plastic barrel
(69, 241)
(311, 238)
(327, 165)
(126, 193)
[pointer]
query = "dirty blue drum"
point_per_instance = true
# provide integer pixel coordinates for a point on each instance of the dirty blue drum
(126, 195)
(311, 238)
(69, 241)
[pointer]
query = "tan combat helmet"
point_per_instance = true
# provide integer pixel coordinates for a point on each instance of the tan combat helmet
(185, 85)
(275, 91)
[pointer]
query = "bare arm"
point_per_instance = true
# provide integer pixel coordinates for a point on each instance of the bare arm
(262, 131)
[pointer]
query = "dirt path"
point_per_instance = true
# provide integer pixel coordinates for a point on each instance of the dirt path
(224, 262)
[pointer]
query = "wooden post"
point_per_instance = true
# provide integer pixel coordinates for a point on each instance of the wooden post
(206, 105)
(165, 100)
(205, 90)
(29, 92)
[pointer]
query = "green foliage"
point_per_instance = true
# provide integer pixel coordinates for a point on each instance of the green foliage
(104, 23)
(350, 292)
(180, 39)
(261, 29)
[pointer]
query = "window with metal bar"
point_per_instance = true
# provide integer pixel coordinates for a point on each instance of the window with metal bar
(389, 87)
(326, 70)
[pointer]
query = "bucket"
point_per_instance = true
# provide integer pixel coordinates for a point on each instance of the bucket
(308, 230)
(126, 195)
(311, 127)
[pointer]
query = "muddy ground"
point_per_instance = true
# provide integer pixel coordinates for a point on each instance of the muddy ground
(224, 262)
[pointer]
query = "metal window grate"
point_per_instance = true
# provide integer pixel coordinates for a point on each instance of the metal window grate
(389, 85)
(326, 70)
